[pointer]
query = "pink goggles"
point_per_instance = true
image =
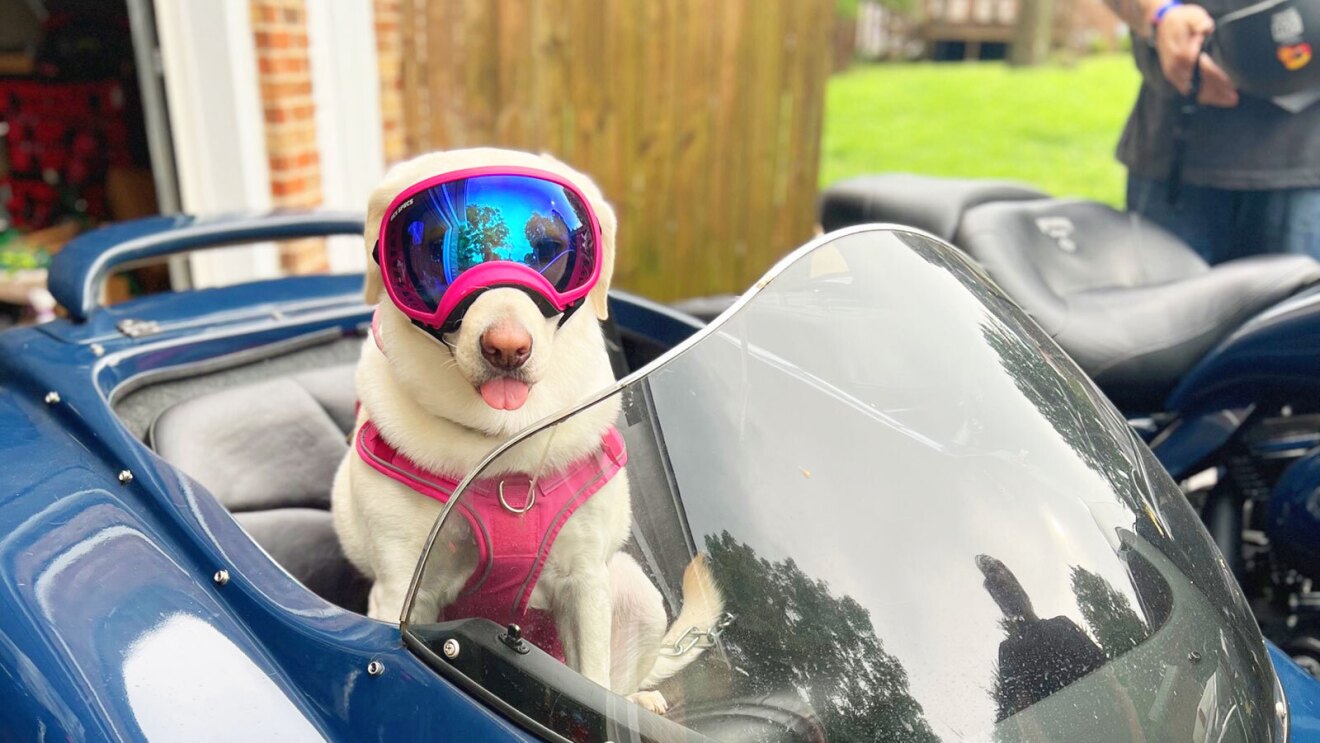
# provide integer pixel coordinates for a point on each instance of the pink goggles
(445, 240)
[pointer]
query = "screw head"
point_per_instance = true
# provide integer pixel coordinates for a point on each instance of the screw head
(221, 577)
(125, 477)
(375, 668)
(450, 648)
(98, 350)
(1194, 657)
(52, 397)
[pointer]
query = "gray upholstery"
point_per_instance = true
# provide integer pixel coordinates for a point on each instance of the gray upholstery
(334, 390)
(1132, 305)
(139, 402)
(303, 542)
(935, 205)
(268, 451)
(272, 444)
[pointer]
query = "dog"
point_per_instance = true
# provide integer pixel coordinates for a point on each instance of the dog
(443, 400)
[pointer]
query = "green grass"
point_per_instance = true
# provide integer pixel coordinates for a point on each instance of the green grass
(1054, 127)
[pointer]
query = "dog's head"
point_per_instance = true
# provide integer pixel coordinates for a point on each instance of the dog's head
(507, 365)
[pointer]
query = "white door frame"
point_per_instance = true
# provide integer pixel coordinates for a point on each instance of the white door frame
(346, 92)
(208, 57)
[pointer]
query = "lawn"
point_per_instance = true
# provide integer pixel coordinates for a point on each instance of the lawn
(1054, 127)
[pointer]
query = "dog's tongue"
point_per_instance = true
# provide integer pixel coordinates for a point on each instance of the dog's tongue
(503, 393)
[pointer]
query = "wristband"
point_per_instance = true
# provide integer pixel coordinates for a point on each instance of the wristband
(1163, 10)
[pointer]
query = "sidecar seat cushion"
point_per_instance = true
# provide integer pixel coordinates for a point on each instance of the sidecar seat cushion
(334, 390)
(936, 205)
(303, 542)
(273, 444)
(1133, 305)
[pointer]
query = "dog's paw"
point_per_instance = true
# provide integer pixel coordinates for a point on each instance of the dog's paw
(651, 701)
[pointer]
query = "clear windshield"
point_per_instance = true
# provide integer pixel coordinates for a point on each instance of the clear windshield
(924, 522)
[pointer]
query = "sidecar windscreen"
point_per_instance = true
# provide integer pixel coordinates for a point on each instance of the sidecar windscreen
(925, 524)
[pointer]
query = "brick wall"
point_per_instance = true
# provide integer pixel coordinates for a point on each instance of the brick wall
(389, 54)
(285, 74)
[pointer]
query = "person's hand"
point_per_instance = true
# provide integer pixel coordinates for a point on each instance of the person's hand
(1178, 40)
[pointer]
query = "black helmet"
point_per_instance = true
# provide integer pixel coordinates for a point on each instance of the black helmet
(1267, 48)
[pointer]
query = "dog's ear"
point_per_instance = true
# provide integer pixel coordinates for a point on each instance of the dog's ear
(373, 288)
(599, 296)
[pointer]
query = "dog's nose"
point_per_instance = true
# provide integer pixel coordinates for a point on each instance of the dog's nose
(506, 346)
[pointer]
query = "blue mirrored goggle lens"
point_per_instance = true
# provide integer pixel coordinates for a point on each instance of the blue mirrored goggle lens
(453, 227)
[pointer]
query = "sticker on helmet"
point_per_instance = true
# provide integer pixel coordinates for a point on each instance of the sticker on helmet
(1294, 57)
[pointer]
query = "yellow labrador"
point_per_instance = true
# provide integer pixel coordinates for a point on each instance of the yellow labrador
(444, 400)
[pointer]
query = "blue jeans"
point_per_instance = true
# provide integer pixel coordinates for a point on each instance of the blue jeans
(1222, 225)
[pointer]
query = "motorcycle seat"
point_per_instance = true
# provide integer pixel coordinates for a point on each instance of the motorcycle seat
(268, 452)
(1130, 302)
(936, 205)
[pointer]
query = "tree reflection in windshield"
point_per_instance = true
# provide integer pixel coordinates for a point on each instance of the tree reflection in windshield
(1108, 613)
(791, 631)
(1039, 656)
(1061, 398)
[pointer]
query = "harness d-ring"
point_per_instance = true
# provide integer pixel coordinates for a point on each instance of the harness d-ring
(531, 499)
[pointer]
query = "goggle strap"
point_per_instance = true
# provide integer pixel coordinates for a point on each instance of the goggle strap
(451, 325)
(437, 333)
(568, 312)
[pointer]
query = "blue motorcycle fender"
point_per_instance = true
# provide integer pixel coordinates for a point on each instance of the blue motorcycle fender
(104, 631)
(1302, 692)
(1192, 440)
(1293, 520)
(113, 626)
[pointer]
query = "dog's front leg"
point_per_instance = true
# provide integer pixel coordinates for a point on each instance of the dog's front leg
(385, 602)
(583, 617)
(388, 594)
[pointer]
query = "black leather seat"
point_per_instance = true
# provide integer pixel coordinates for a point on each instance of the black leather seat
(935, 205)
(1133, 305)
(268, 451)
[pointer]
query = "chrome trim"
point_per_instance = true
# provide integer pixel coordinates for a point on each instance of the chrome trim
(1281, 706)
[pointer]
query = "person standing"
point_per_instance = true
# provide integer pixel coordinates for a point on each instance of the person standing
(1250, 173)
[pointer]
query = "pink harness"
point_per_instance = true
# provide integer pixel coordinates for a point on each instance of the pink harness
(514, 528)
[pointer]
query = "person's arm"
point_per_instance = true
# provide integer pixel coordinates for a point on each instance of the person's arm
(1178, 31)
(1136, 14)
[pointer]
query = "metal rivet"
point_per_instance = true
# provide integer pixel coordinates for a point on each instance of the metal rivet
(450, 648)
(375, 668)
(52, 397)
(1280, 709)
(98, 350)
(1194, 657)
(125, 477)
(221, 577)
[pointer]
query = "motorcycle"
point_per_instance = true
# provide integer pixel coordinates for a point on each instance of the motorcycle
(1218, 367)
(927, 524)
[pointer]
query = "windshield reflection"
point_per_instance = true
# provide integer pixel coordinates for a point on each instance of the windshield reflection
(792, 631)
(926, 523)
(1038, 657)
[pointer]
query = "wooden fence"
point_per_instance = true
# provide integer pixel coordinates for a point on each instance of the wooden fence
(700, 120)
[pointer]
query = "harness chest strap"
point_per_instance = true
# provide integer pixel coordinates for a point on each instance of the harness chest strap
(513, 528)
